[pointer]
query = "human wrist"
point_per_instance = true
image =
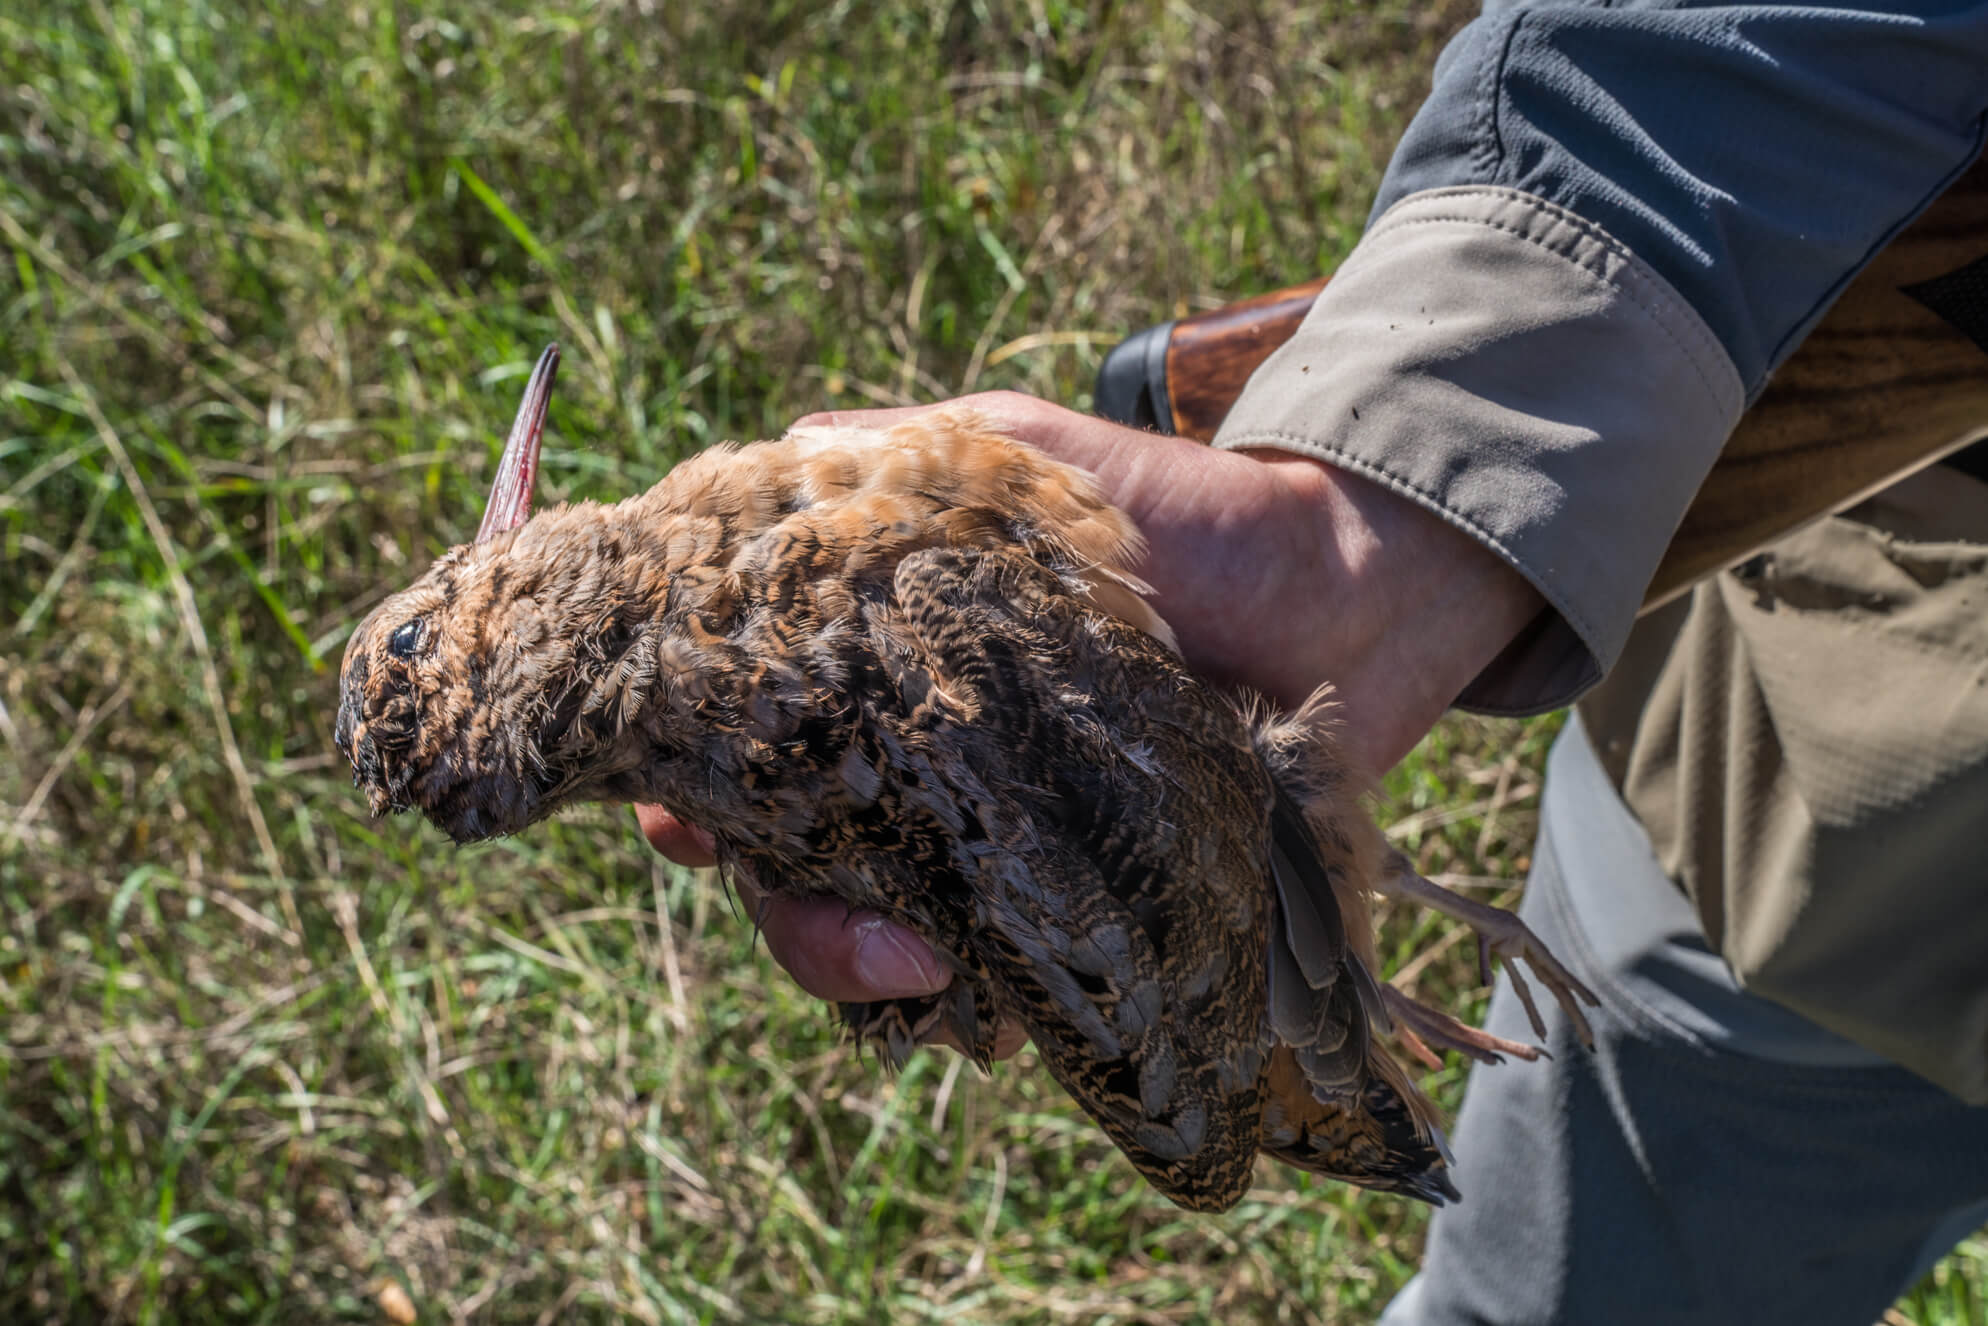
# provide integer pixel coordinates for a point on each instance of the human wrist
(1415, 608)
(1520, 373)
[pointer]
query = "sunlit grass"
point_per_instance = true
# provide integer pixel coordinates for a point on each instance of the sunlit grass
(271, 278)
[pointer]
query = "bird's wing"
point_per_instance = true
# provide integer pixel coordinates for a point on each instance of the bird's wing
(1380, 1139)
(1335, 1101)
(1118, 891)
(1323, 999)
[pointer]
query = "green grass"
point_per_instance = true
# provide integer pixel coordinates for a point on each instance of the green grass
(271, 278)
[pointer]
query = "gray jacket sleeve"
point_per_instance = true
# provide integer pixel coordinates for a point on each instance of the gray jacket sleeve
(1600, 235)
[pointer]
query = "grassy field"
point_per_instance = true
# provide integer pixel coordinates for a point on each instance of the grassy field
(272, 276)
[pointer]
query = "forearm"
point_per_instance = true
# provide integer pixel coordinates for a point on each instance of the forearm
(1497, 352)
(1513, 370)
(1419, 608)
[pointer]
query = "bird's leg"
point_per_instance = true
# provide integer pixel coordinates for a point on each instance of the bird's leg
(1500, 932)
(1416, 1023)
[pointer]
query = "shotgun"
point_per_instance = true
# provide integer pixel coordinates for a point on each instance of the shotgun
(1891, 380)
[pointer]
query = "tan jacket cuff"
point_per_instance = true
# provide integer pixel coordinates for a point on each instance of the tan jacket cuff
(1515, 369)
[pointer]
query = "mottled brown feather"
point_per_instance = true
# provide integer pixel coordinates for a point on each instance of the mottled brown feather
(913, 669)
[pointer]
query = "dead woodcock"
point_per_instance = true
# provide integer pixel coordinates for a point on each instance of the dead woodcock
(912, 668)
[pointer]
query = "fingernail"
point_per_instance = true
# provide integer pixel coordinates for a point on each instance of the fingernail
(893, 964)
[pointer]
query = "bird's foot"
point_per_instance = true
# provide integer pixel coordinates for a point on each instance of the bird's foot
(1417, 1026)
(1502, 933)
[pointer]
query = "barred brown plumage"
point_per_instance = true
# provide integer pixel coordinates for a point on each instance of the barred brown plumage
(912, 668)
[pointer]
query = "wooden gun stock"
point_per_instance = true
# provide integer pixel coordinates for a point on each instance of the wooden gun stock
(1882, 387)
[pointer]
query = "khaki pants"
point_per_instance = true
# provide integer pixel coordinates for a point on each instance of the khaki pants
(1716, 1158)
(1765, 846)
(1806, 742)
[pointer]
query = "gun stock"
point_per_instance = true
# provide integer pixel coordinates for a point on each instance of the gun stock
(1882, 387)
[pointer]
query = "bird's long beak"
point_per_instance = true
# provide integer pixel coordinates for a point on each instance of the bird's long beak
(517, 471)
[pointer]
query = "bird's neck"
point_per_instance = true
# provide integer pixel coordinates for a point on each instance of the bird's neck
(641, 690)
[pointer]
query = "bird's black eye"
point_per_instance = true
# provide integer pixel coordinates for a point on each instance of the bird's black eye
(405, 637)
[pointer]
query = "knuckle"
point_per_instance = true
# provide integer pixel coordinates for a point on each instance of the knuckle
(1007, 401)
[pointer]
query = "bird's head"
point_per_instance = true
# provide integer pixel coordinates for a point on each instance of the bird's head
(474, 695)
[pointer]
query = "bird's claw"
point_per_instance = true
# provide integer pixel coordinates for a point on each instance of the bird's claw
(1513, 941)
(1501, 932)
(1416, 1023)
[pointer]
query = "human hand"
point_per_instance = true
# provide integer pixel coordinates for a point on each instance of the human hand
(1275, 571)
(832, 952)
